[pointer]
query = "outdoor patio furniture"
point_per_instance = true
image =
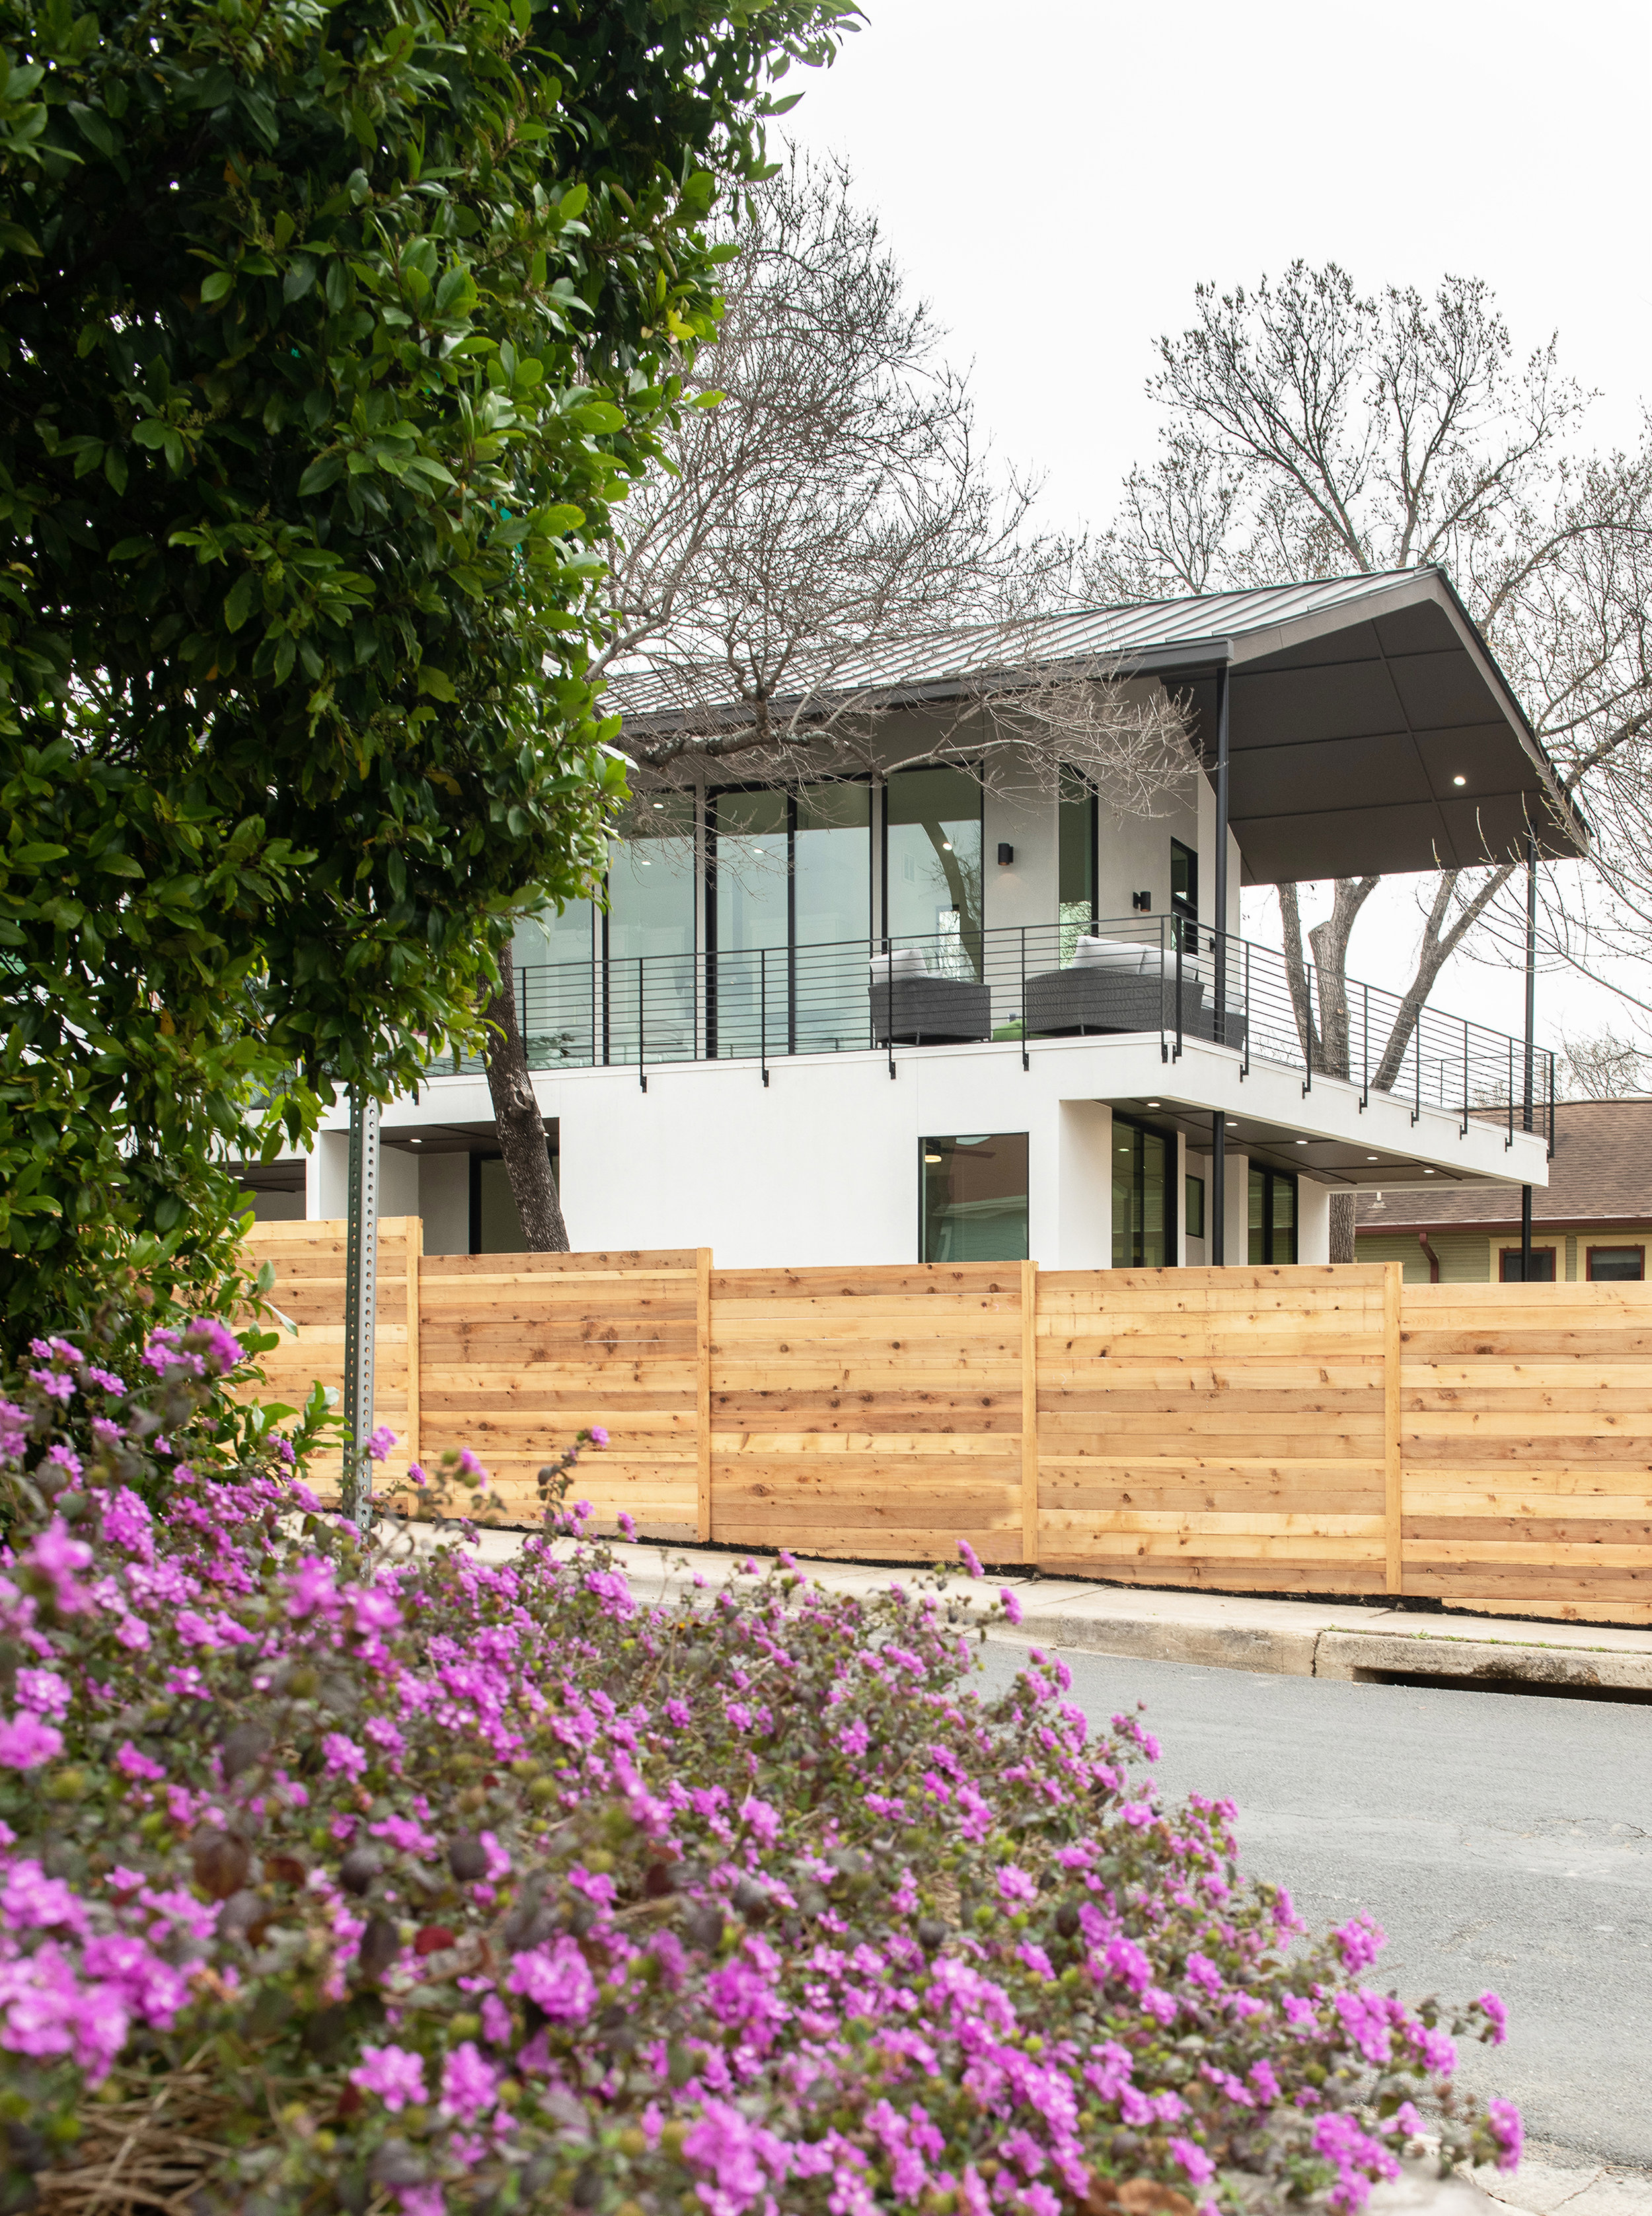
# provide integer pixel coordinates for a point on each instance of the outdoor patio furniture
(912, 1007)
(1117, 986)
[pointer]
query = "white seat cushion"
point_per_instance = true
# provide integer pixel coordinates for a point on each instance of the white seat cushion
(1125, 958)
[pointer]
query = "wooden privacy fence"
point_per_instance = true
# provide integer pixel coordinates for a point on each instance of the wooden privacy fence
(1315, 1429)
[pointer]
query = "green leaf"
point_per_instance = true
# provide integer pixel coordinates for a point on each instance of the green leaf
(128, 549)
(151, 432)
(436, 682)
(92, 127)
(114, 468)
(326, 470)
(301, 275)
(238, 600)
(215, 287)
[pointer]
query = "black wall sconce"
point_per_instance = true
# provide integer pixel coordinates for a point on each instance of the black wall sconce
(1143, 900)
(1006, 855)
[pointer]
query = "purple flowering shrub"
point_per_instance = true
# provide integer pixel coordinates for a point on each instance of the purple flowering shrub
(372, 1876)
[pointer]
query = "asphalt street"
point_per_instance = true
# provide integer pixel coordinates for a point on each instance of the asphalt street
(1501, 1840)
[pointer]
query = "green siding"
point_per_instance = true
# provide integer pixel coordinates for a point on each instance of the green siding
(1465, 1256)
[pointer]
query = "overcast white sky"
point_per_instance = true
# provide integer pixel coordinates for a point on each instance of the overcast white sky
(1057, 176)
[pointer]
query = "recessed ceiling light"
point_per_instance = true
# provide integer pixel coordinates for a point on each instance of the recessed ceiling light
(1302, 1142)
(932, 1158)
(1459, 780)
(659, 804)
(1233, 1127)
(946, 846)
(1370, 1158)
(1427, 1173)
(415, 1142)
(1155, 1103)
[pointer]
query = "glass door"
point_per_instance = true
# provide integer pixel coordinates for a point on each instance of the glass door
(1143, 1198)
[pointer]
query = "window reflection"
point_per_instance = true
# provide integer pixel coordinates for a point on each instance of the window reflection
(1144, 1228)
(933, 865)
(974, 1205)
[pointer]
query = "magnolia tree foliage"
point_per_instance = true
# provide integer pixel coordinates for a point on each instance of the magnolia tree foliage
(329, 333)
(347, 1876)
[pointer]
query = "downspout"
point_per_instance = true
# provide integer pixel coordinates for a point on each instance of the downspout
(1433, 1258)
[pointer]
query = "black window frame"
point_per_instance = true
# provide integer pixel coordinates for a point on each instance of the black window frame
(1174, 1201)
(1271, 1177)
(929, 1139)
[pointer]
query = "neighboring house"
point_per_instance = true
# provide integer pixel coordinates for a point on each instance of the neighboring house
(1593, 1222)
(911, 1014)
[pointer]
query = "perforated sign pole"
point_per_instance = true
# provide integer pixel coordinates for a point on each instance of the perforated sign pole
(360, 1301)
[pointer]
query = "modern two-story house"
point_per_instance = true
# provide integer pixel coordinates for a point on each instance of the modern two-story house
(930, 1014)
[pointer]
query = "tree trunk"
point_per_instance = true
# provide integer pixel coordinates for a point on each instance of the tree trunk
(521, 1128)
(1342, 1227)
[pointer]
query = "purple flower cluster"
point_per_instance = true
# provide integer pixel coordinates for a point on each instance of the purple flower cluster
(518, 1886)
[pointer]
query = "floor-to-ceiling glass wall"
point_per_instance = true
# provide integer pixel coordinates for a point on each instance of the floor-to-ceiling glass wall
(649, 973)
(580, 994)
(750, 934)
(932, 867)
(557, 1002)
(1143, 1197)
(789, 919)
(1075, 841)
(831, 881)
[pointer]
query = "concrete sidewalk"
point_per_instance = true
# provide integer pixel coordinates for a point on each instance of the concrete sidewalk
(1290, 1638)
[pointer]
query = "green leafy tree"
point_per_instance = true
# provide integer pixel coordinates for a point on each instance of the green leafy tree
(329, 337)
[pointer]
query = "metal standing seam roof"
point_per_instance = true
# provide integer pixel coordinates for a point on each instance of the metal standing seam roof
(1372, 728)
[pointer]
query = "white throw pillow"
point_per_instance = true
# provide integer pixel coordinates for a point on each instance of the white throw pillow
(905, 962)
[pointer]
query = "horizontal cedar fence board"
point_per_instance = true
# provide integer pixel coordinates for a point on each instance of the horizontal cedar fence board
(523, 1351)
(309, 1261)
(937, 1351)
(1525, 1444)
(1302, 1430)
(1214, 1427)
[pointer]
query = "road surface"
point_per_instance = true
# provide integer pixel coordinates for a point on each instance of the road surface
(1501, 1840)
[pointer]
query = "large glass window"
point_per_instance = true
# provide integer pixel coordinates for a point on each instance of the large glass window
(790, 918)
(933, 866)
(575, 1006)
(1075, 839)
(1512, 1270)
(974, 1204)
(1143, 1198)
(558, 995)
(651, 913)
(1273, 1216)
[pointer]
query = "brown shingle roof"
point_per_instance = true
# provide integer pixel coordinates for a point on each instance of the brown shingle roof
(1601, 1172)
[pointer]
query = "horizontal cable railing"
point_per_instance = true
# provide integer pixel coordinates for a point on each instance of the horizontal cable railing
(1020, 982)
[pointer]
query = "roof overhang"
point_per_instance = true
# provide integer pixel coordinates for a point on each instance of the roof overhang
(1379, 736)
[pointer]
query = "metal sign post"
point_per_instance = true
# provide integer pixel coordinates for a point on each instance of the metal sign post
(360, 1303)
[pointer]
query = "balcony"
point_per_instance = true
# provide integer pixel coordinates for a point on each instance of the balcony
(1014, 985)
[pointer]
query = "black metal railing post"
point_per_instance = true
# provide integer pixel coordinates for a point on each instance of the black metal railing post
(1364, 1051)
(1417, 1046)
(642, 1032)
(1249, 1016)
(763, 1009)
(1307, 1043)
(1177, 936)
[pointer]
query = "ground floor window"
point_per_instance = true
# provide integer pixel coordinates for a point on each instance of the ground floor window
(974, 1198)
(1273, 1216)
(1543, 1266)
(1616, 1265)
(1193, 1189)
(1143, 1198)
